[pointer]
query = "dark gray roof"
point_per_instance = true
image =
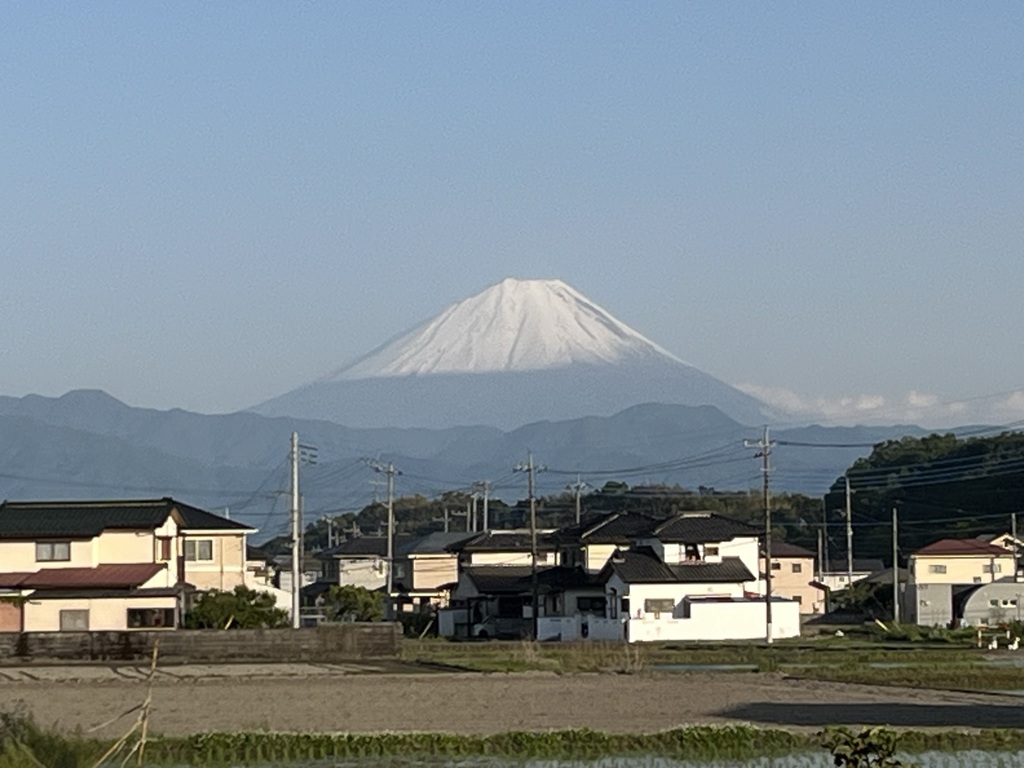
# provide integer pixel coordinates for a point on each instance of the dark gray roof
(681, 528)
(643, 566)
(365, 546)
(86, 519)
(499, 579)
(437, 543)
(702, 528)
(505, 541)
(784, 549)
(196, 519)
(516, 579)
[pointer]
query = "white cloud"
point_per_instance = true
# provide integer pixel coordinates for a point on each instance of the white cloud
(916, 407)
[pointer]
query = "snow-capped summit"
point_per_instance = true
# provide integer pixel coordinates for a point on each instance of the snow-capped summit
(515, 325)
(519, 352)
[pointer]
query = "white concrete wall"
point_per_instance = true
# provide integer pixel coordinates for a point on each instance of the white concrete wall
(710, 620)
(639, 593)
(570, 628)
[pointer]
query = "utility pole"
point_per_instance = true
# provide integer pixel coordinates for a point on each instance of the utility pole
(1013, 535)
(765, 452)
(849, 534)
(895, 565)
(298, 454)
(827, 564)
(577, 488)
(296, 535)
(531, 470)
(484, 487)
(390, 471)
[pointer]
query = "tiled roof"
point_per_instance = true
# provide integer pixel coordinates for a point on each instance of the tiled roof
(681, 528)
(702, 528)
(516, 579)
(784, 549)
(365, 546)
(116, 576)
(643, 566)
(196, 519)
(505, 541)
(499, 579)
(87, 519)
(963, 547)
(437, 543)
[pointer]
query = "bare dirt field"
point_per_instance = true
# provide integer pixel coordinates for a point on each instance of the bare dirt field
(352, 698)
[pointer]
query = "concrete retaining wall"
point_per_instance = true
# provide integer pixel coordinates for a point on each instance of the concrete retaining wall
(328, 643)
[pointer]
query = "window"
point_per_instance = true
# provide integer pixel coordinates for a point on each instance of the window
(711, 551)
(776, 566)
(798, 599)
(658, 607)
(400, 571)
(74, 621)
(994, 603)
(53, 551)
(992, 568)
(198, 550)
(936, 569)
(150, 618)
(164, 548)
(590, 605)
(613, 605)
(797, 567)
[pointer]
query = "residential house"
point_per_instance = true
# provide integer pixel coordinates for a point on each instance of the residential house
(793, 576)
(507, 547)
(836, 575)
(111, 565)
(497, 601)
(361, 561)
(426, 568)
(683, 537)
(690, 600)
(943, 572)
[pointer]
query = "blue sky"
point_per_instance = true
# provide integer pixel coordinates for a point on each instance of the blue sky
(205, 205)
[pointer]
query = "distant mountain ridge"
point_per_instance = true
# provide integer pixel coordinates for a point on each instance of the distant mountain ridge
(87, 444)
(520, 351)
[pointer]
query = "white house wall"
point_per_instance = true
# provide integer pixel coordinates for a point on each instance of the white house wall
(639, 593)
(717, 621)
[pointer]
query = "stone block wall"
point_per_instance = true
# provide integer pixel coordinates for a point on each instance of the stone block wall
(326, 643)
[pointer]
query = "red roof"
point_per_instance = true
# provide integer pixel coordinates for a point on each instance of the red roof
(963, 547)
(123, 576)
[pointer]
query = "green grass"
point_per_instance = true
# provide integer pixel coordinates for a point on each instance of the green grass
(975, 677)
(25, 745)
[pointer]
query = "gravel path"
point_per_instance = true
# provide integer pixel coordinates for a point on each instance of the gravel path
(333, 698)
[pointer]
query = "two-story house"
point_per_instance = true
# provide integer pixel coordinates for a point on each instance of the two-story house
(793, 575)
(943, 570)
(112, 565)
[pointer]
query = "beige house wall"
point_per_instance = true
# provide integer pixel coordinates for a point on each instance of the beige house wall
(960, 569)
(105, 614)
(596, 555)
(20, 556)
(792, 577)
(544, 559)
(431, 571)
(227, 568)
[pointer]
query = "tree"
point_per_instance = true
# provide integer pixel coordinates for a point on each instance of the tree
(242, 608)
(352, 603)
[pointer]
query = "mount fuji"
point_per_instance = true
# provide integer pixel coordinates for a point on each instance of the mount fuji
(519, 352)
